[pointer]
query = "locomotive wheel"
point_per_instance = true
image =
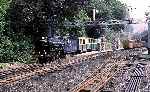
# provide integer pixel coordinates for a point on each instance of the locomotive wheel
(57, 56)
(42, 60)
(71, 54)
(89, 50)
(78, 51)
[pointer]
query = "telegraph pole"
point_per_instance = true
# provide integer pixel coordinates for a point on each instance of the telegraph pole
(94, 13)
(148, 37)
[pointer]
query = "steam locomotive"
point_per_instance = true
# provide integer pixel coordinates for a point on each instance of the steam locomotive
(48, 50)
(58, 47)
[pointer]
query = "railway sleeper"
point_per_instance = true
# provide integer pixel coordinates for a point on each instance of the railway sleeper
(2, 77)
(34, 66)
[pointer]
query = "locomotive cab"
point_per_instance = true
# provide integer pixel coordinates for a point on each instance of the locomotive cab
(57, 48)
(71, 45)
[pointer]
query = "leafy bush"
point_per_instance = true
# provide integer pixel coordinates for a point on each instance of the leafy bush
(3, 65)
(125, 44)
(14, 47)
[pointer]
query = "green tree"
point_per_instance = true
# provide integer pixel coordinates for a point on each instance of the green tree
(37, 17)
(14, 47)
(29, 20)
(81, 18)
(79, 28)
(109, 9)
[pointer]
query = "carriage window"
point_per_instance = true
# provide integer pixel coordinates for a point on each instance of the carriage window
(93, 41)
(83, 41)
(89, 40)
(80, 41)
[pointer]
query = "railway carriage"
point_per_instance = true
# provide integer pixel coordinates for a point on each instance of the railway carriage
(130, 44)
(91, 45)
(94, 44)
(88, 44)
(82, 44)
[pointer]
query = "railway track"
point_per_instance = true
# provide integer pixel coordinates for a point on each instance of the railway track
(136, 77)
(27, 71)
(131, 79)
(146, 88)
(100, 77)
(103, 74)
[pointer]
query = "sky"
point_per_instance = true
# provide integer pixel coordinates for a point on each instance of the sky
(139, 27)
(138, 13)
(140, 5)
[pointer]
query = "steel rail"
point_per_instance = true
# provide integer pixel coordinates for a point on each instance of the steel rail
(28, 71)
